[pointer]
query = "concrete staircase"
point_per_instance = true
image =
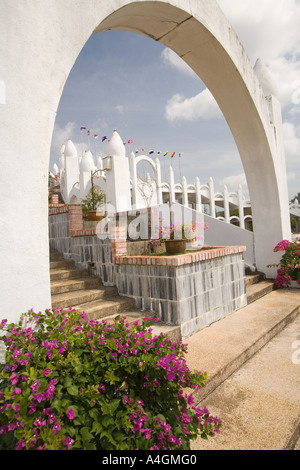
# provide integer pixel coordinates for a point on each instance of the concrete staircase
(253, 384)
(72, 286)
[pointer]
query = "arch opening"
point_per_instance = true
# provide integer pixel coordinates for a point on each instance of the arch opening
(35, 76)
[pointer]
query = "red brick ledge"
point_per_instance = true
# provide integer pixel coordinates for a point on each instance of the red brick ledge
(180, 260)
(88, 232)
(58, 209)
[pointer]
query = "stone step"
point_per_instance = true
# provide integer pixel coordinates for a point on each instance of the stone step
(70, 273)
(254, 278)
(257, 290)
(173, 332)
(62, 264)
(70, 285)
(69, 299)
(106, 307)
(223, 350)
(55, 256)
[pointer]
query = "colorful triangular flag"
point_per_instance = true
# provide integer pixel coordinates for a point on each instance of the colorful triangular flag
(172, 154)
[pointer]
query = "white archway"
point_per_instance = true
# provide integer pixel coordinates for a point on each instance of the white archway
(40, 44)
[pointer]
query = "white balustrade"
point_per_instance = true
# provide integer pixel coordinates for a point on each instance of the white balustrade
(72, 175)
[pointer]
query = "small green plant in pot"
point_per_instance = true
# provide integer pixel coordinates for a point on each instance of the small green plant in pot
(93, 200)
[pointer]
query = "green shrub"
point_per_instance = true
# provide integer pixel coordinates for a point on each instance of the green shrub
(73, 383)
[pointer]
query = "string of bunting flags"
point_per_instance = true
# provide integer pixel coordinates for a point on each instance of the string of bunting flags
(129, 142)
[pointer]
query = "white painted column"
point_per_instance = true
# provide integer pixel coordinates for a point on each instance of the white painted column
(72, 169)
(185, 199)
(158, 181)
(198, 195)
(212, 198)
(87, 166)
(226, 205)
(172, 185)
(241, 207)
(118, 177)
(133, 176)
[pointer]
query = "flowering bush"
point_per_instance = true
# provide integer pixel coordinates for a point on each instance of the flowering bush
(289, 266)
(73, 383)
(188, 231)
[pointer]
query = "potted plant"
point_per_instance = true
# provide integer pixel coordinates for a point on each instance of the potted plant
(175, 236)
(288, 273)
(92, 201)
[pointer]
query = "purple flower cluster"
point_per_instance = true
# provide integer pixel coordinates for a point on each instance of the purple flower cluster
(67, 376)
(282, 246)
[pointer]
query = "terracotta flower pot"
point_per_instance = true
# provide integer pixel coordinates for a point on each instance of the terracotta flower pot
(92, 215)
(175, 247)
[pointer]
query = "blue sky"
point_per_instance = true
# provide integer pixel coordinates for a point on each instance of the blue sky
(130, 83)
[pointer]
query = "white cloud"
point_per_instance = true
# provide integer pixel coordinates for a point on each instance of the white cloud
(120, 108)
(266, 28)
(170, 57)
(201, 106)
(60, 136)
(291, 140)
(233, 182)
(269, 30)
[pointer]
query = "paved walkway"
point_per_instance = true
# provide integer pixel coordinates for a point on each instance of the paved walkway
(251, 357)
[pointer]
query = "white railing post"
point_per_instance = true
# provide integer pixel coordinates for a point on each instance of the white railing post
(198, 195)
(158, 181)
(172, 185)
(212, 198)
(185, 199)
(241, 207)
(226, 205)
(133, 174)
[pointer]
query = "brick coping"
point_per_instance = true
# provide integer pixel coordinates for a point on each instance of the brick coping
(58, 209)
(180, 260)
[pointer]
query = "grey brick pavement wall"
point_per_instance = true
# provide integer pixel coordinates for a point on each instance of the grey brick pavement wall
(82, 249)
(191, 295)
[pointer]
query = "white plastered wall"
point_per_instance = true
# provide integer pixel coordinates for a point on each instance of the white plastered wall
(40, 42)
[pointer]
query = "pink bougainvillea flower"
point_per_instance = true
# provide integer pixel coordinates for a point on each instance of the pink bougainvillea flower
(56, 427)
(46, 372)
(70, 413)
(13, 379)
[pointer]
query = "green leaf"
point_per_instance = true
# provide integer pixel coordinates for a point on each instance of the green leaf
(94, 413)
(109, 408)
(86, 436)
(68, 382)
(107, 421)
(97, 427)
(73, 390)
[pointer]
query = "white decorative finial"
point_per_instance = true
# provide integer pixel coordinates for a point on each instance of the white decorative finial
(70, 149)
(115, 147)
(87, 163)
